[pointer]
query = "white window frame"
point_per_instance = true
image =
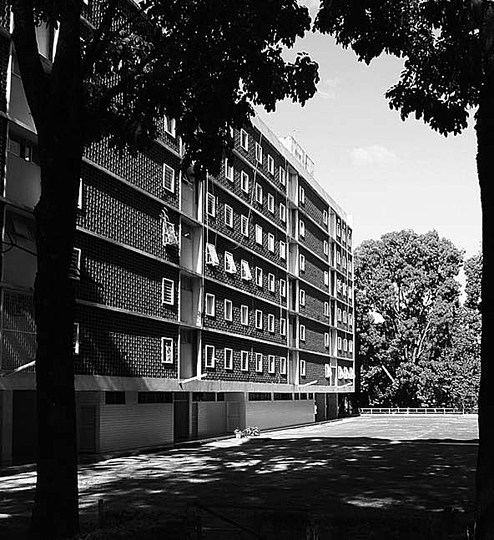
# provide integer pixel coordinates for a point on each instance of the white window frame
(345, 344)
(326, 278)
(259, 319)
(303, 368)
(210, 201)
(302, 297)
(301, 195)
(270, 161)
(282, 288)
(244, 360)
(244, 139)
(301, 228)
(282, 212)
(282, 250)
(270, 323)
(75, 263)
(245, 272)
(210, 305)
(259, 193)
(325, 217)
(282, 326)
(209, 360)
(228, 355)
(283, 365)
(326, 339)
(271, 282)
(171, 285)
(271, 363)
(350, 345)
(229, 263)
(228, 310)
(244, 182)
(259, 362)
(166, 358)
(77, 338)
(244, 225)
(325, 247)
(301, 332)
(258, 153)
(339, 343)
(169, 170)
(259, 276)
(244, 315)
(326, 309)
(302, 262)
(170, 126)
(228, 215)
(80, 197)
(271, 242)
(282, 175)
(258, 234)
(338, 314)
(271, 203)
(211, 255)
(344, 316)
(229, 172)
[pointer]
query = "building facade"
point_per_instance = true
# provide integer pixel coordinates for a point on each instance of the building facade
(202, 305)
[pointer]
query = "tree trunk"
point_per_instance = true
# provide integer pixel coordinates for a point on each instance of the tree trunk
(485, 166)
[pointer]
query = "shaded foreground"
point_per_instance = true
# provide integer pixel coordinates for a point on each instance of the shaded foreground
(386, 477)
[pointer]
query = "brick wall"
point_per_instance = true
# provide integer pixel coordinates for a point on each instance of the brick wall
(314, 270)
(314, 369)
(314, 238)
(4, 63)
(314, 303)
(122, 345)
(314, 336)
(314, 205)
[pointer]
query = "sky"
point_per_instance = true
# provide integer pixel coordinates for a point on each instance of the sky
(387, 174)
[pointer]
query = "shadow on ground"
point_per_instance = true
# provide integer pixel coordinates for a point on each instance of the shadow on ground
(363, 479)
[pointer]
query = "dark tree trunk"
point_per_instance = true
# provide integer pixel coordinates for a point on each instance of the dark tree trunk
(485, 166)
(54, 97)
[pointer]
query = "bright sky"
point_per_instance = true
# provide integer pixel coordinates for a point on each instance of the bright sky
(388, 174)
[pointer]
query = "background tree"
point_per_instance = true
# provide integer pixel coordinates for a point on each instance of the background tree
(448, 52)
(115, 73)
(406, 299)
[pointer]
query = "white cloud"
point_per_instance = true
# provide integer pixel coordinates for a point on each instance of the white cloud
(313, 6)
(327, 88)
(373, 155)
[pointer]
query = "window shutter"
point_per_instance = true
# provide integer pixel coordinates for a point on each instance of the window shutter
(167, 291)
(168, 178)
(167, 351)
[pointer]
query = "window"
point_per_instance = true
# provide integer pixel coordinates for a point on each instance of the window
(228, 170)
(350, 317)
(259, 362)
(325, 247)
(210, 305)
(259, 234)
(228, 356)
(302, 228)
(271, 364)
(258, 153)
(302, 297)
(258, 193)
(350, 345)
(166, 350)
(302, 368)
(167, 287)
(326, 309)
(228, 215)
(80, 195)
(154, 397)
(302, 332)
(245, 272)
(244, 360)
(244, 181)
(211, 255)
(344, 316)
(326, 339)
(283, 365)
(244, 225)
(230, 266)
(282, 212)
(271, 165)
(282, 176)
(244, 315)
(325, 217)
(339, 343)
(338, 228)
(114, 398)
(209, 355)
(271, 203)
(326, 278)
(301, 195)
(283, 327)
(271, 282)
(76, 342)
(282, 288)
(271, 323)
(258, 319)
(228, 310)
(211, 205)
(302, 262)
(170, 126)
(339, 314)
(75, 264)
(168, 178)
(244, 139)
(282, 250)
(345, 344)
(258, 276)
(271, 242)
(343, 262)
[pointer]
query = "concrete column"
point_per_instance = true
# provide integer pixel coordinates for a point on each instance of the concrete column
(6, 420)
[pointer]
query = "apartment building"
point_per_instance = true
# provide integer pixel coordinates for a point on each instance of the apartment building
(202, 305)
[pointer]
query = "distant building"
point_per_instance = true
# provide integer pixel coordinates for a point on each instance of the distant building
(202, 306)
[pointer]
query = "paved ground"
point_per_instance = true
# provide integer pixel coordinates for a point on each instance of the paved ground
(393, 464)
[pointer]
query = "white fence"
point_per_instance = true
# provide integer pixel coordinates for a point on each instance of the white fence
(415, 410)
